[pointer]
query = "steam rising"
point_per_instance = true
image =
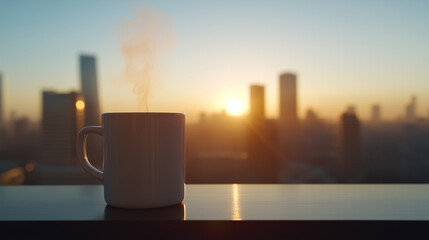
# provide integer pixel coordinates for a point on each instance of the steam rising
(143, 39)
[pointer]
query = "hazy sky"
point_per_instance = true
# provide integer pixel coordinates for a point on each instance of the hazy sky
(344, 52)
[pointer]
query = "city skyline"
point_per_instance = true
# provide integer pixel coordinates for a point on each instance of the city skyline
(407, 112)
(214, 60)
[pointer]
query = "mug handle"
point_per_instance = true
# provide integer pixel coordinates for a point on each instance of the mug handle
(81, 150)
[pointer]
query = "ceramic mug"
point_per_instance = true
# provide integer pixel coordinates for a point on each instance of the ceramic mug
(143, 158)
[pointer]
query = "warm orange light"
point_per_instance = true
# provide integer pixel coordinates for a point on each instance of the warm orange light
(29, 167)
(236, 215)
(234, 107)
(80, 104)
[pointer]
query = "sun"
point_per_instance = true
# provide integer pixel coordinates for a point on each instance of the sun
(80, 104)
(234, 107)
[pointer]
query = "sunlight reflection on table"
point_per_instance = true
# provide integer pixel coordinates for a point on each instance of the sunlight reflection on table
(235, 203)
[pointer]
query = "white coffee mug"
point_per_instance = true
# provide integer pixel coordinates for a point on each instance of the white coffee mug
(144, 158)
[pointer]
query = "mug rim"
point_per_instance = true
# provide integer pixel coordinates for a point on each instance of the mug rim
(141, 113)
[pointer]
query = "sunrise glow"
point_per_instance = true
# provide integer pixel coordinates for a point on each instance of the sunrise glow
(234, 107)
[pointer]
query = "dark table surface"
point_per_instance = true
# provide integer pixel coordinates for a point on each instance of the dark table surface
(38, 212)
(226, 202)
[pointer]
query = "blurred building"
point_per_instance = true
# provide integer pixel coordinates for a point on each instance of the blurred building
(376, 113)
(317, 142)
(88, 76)
(261, 145)
(257, 104)
(3, 129)
(288, 133)
(1, 103)
(62, 116)
(410, 110)
(288, 100)
(311, 118)
(21, 127)
(350, 146)
(216, 150)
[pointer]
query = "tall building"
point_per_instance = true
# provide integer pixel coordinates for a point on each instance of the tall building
(62, 115)
(376, 113)
(3, 129)
(350, 147)
(288, 132)
(410, 109)
(260, 140)
(1, 102)
(288, 99)
(88, 76)
(257, 104)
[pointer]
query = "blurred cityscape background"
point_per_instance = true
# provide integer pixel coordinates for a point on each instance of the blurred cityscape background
(225, 148)
(274, 91)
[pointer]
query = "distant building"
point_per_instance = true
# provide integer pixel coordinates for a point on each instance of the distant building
(311, 118)
(88, 76)
(216, 150)
(3, 128)
(288, 99)
(410, 110)
(376, 113)
(288, 132)
(260, 140)
(62, 116)
(349, 146)
(21, 127)
(203, 117)
(257, 104)
(1, 103)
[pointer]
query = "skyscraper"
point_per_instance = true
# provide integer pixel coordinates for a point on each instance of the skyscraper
(288, 100)
(410, 110)
(349, 146)
(1, 102)
(3, 130)
(260, 140)
(376, 113)
(288, 132)
(62, 115)
(257, 104)
(88, 76)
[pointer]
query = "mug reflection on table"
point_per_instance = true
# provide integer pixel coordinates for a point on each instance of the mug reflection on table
(175, 212)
